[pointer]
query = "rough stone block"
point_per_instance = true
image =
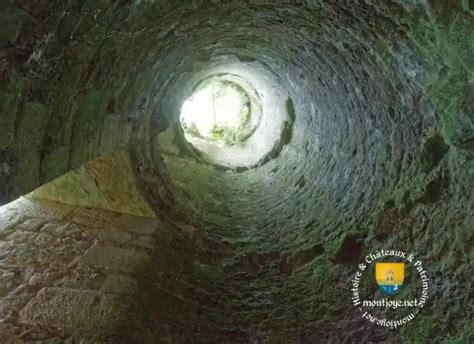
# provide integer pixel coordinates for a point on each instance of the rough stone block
(121, 285)
(145, 241)
(38, 208)
(8, 281)
(82, 281)
(20, 237)
(138, 225)
(6, 249)
(94, 185)
(111, 234)
(42, 278)
(115, 258)
(75, 311)
(344, 249)
(32, 225)
(8, 220)
(10, 334)
(54, 228)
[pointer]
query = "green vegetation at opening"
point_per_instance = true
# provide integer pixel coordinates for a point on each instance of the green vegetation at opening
(219, 111)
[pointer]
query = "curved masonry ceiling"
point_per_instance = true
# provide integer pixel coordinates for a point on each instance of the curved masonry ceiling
(105, 183)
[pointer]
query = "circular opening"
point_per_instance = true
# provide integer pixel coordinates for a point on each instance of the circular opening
(219, 111)
(231, 120)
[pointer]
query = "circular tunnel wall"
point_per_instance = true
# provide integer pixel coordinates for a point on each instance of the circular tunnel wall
(359, 139)
(260, 244)
(346, 121)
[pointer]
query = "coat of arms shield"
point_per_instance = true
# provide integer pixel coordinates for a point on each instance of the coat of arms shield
(389, 277)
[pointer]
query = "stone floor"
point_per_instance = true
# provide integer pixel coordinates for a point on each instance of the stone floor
(68, 272)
